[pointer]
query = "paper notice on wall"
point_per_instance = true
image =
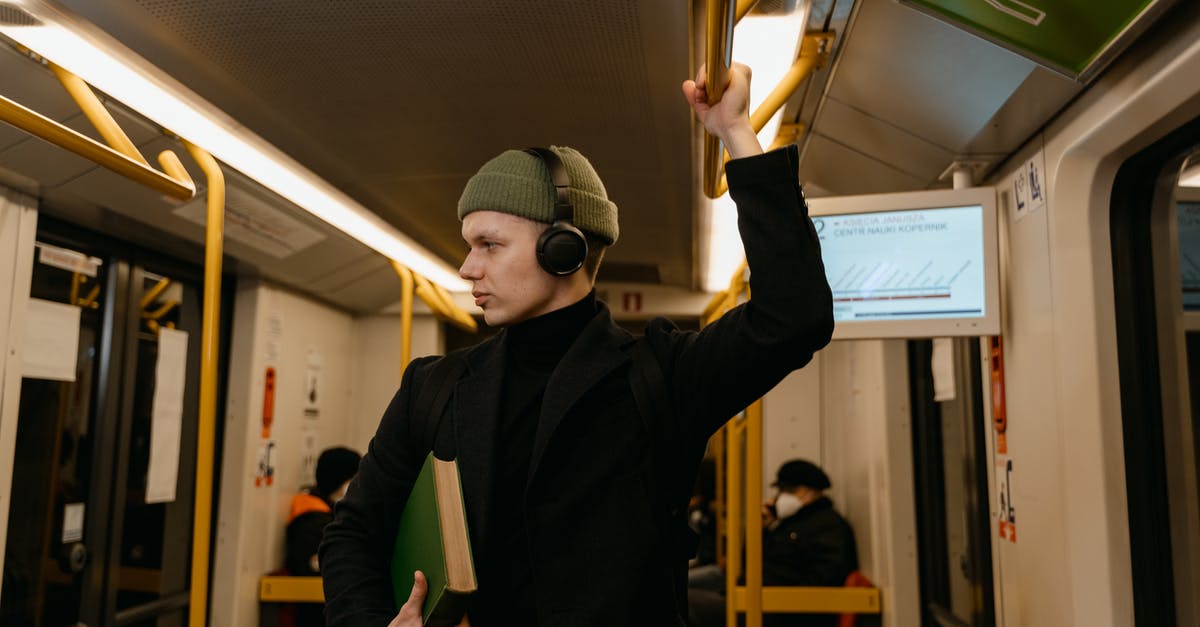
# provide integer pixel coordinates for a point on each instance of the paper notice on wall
(167, 416)
(1028, 186)
(942, 364)
(72, 528)
(51, 343)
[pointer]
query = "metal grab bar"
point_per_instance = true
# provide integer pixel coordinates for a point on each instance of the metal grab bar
(120, 155)
(406, 313)
(718, 55)
(214, 234)
(812, 599)
(39, 125)
(433, 295)
(721, 17)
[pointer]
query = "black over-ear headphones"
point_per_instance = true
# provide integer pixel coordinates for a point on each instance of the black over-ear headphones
(562, 248)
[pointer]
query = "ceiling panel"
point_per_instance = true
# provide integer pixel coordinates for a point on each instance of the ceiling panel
(918, 73)
(397, 103)
(868, 135)
(840, 170)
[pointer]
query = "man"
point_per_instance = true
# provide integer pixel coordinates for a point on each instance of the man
(571, 514)
(805, 541)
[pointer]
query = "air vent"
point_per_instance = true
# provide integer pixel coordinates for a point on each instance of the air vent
(12, 15)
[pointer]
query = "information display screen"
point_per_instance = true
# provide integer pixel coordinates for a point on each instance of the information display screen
(898, 265)
(911, 265)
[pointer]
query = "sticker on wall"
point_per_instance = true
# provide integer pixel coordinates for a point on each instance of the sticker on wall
(264, 471)
(312, 384)
(308, 455)
(274, 335)
(1006, 512)
(1028, 186)
(72, 530)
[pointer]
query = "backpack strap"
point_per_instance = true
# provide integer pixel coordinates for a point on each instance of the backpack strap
(435, 394)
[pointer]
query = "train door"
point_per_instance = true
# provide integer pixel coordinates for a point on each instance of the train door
(951, 483)
(100, 527)
(1155, 226)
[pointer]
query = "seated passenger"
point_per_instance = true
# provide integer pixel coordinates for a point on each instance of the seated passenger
(805, 543)
(312, 510)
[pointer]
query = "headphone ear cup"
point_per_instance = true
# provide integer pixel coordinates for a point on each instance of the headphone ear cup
(561, 249)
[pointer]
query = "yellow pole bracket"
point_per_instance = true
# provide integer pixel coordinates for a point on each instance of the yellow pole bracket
(406, 313)
(206, 429)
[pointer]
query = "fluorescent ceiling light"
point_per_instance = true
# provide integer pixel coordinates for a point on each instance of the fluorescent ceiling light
(1190, 177)
(104, 63)
(769, 45)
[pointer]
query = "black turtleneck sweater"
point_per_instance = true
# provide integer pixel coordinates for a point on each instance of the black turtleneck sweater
(534, 348)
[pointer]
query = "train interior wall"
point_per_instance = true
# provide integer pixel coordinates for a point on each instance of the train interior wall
(352, 363)
(1070, 562)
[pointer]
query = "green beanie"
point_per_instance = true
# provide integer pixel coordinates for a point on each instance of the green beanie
(518, 183)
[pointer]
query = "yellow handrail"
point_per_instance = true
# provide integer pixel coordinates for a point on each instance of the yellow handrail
(812, 53)
(406, 314)
(718, 55)
(812, 599)
(814, 50)
(120, 155)
(39, 125)
(754, 531)
(97, 114)
(442, 304)
(277, 589)
(206, 429)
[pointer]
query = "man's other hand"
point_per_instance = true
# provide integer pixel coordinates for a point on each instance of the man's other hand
(410, 612)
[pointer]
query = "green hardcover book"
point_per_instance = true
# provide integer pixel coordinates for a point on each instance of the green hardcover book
(432, 538)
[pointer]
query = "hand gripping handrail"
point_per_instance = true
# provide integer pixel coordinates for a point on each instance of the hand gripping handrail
(120, 156)
(721, 18)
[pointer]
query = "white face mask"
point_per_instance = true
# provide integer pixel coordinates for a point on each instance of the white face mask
(787, 504)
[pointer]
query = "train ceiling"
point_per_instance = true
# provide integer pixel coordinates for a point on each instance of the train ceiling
(398, 102)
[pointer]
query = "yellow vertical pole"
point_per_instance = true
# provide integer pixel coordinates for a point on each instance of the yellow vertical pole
(406, 314)
(754, 532)
(733, 500)
(206, 432)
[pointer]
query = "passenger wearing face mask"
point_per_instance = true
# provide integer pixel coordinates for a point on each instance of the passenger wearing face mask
(805, 541)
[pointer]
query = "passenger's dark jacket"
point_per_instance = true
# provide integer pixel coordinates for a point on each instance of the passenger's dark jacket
(597, 545)
(813, 547)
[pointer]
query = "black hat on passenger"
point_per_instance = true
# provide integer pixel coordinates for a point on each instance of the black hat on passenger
(799, 472)
(335, 466)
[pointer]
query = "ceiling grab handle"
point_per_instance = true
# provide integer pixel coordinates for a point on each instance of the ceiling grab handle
(206, 429)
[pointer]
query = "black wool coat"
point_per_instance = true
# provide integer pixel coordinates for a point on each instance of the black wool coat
(599, 552)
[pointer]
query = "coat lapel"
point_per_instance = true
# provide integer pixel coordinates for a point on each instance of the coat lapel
(476, 405)
(594, 354)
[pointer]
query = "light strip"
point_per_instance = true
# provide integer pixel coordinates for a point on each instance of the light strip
(769, 45)
(1190, 177)
(104, 63)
